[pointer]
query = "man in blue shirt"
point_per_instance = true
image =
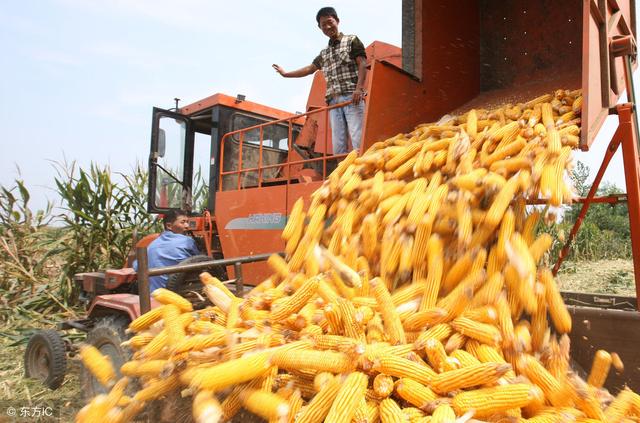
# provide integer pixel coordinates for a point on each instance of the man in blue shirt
(171, 247)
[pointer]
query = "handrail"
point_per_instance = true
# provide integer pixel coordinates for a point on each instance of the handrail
(144, 272)
(289, 163)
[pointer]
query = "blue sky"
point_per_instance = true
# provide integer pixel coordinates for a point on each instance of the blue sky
(80, 77)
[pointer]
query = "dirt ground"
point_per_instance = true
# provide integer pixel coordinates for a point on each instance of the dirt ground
(17, 391)
(602, 277)
(605, 276)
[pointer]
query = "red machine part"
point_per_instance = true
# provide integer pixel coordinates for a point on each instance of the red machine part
(126, 304)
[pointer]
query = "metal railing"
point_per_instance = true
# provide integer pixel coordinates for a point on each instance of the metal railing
(144, 272)
(261, 168)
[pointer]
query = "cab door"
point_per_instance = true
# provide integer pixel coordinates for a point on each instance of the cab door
(170, 162)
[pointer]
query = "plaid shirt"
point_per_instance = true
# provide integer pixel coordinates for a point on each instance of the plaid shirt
(338, 64)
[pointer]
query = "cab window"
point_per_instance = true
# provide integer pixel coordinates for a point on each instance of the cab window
(274, 136)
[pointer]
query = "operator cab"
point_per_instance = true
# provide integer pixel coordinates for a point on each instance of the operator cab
(185, 151)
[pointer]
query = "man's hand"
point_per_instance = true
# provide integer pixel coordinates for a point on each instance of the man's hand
(358, 95)
(279, 69)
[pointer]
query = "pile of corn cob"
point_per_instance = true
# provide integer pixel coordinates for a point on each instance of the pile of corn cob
(413, 289)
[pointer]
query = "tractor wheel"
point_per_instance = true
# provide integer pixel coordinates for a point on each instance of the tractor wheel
(106, 336)
(45, 358)
(188, 283)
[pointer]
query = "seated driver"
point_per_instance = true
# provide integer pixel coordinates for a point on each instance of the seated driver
(171, 247)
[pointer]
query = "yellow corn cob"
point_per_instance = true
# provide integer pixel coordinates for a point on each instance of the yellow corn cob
(207, 279)
(232, 403)
(401, 158)
(402, 367)
(547, 115)
(335, 342)
(144, 321)
(313, 360)
(206, 407)
(443, 414)
(488, 354)
(144, 368)
(620, 406)
(440, 332)
(413, 414)
(472, 123)
(233, 316)
(557, 308)
(390, 411)
(617, 363)
(434, 276)
(406, 293)
(422, 236)
(98, 364)
(116, 393)
(369, 233)
(487, 401)
(157, 388)
(501, 202)
(483, 314)
(457, 272)
(294, 240)
(295, 402)
(383, 385)
(504, 151)
(334, 320)
(296, 218)
(535, 371)
(350, 394)
(540, 246)
(172, 324)
(414, 392)
(506, 230)
(599, 369)
(466, 377)
(265, 404)
(459, 298)
(463, 358)
(483, 332)
(489, 292)
(553, 141)
(392, 323)
(278, 265)
(138, 341)
(165, 296)
(509, 166)
(585, 399)
(231, 372)
(437, 355)
(375, 330)
(539, 324)
(422, 319)
(352, 328)
(298, 300)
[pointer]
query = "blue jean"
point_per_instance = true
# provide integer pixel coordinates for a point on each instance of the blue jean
(347, 119)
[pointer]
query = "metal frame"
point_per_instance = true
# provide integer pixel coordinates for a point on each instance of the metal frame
(260, 168)
(626, 136)
(144, 272)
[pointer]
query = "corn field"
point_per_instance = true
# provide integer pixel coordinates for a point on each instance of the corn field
(92, 228)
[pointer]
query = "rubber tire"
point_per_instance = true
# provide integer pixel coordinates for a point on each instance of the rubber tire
(54, 354)
(107, 335)
(186, 282)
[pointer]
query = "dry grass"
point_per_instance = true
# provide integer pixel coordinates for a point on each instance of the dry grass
(19, 391)
(602, 277)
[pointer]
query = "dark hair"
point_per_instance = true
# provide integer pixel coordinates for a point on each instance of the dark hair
(172, 215)
(326, 11)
